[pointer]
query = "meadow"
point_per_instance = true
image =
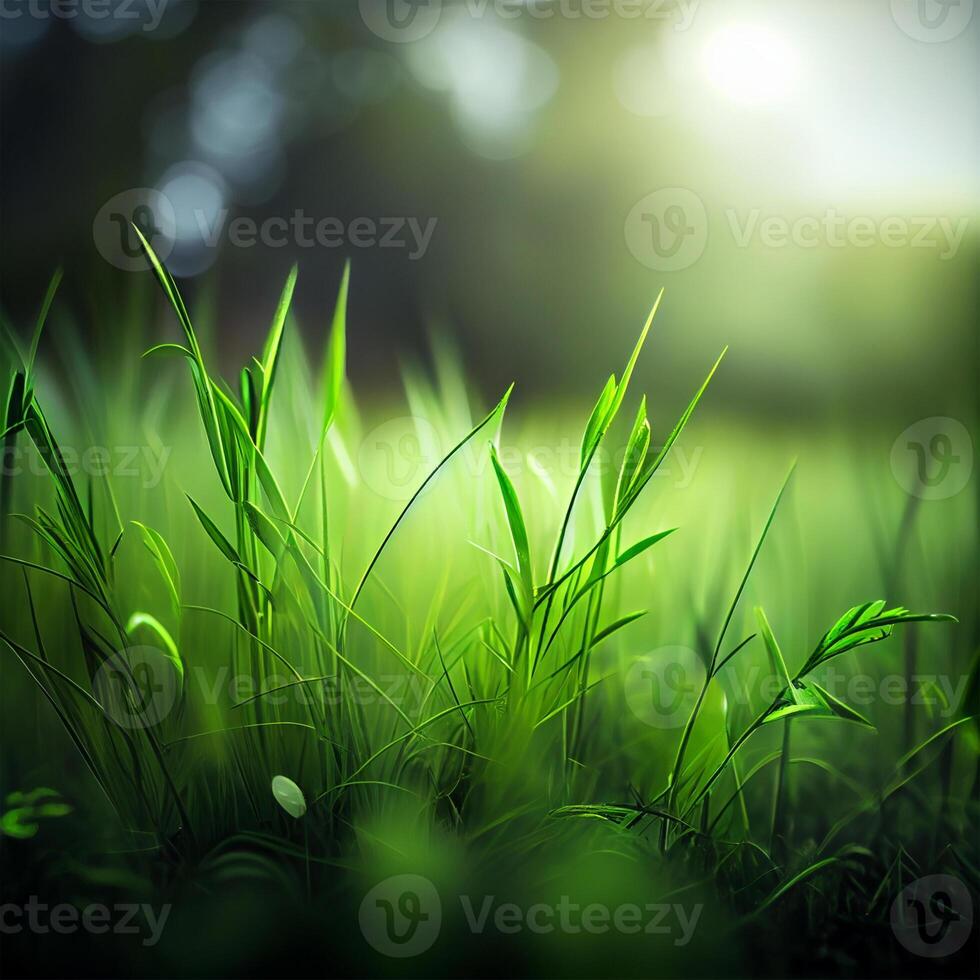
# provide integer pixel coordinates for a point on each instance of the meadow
(440, 682)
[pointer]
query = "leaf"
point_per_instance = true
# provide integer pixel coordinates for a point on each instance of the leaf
(334, 363)
(839, 708)
(273, 343)
(199, 374)
(795, 880)
(851, 624)
(20, 798)
(14, 413)
(904, 772)
(169, 349)
(164, 560)
(144, 619)
(515, 520)
(270, 485)
(41, 318)
(251, 398)
(788, 710)
(270, 356)
(631, 364)
(515, 590)
(637, 549)
(224, 546)
(78, 539)
(289, 796)
(497, 410)
(970, 704)
(652, 463)
(595, 426)
(54, 810)
(634, 551)
(864, 624)
(265, 531)
(607, 407)
(614, 627)
(811, 699)
(19, 823)
(776, 660)
(636, 451)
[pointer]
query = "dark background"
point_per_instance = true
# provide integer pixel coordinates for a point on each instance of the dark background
(527, 269)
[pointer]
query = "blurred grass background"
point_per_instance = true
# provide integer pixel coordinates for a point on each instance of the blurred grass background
(529, 133)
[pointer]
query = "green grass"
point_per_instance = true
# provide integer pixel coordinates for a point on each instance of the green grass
(357, 685)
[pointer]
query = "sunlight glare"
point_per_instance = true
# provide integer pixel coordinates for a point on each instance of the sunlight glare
(751, 65)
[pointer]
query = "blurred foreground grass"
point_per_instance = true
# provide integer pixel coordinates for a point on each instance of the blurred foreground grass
(533, 730)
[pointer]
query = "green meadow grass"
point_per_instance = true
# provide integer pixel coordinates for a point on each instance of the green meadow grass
(393, 640)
